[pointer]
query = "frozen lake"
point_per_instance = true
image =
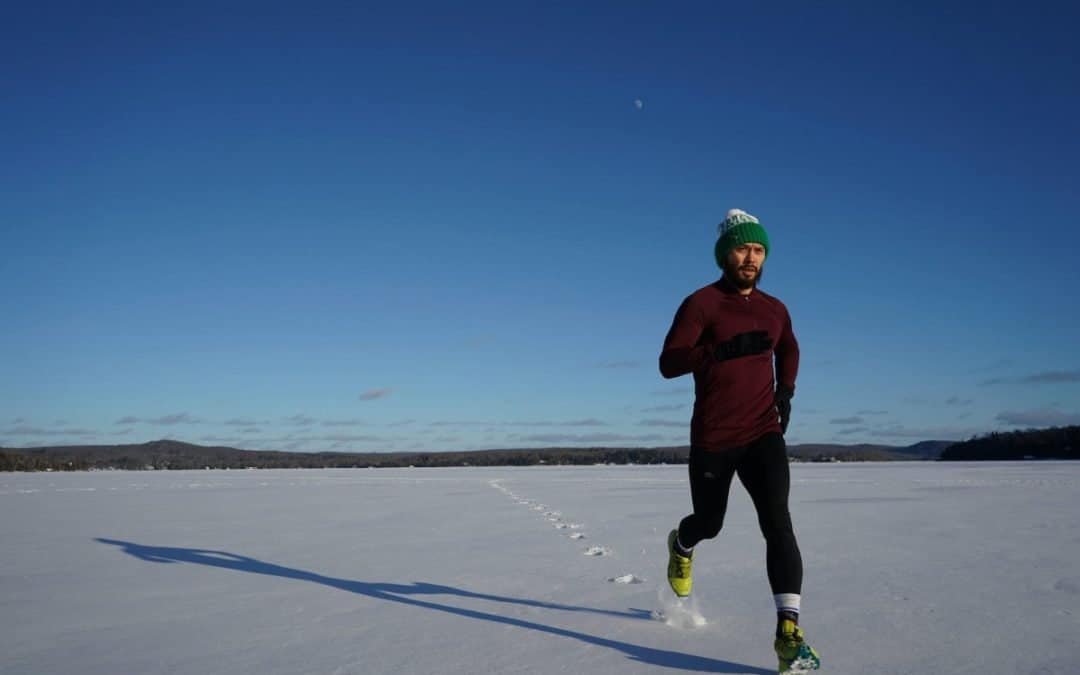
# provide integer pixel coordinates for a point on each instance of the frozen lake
(910, 568)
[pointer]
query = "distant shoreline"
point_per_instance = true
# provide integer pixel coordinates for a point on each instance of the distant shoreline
(171, 454)
(1053, 443)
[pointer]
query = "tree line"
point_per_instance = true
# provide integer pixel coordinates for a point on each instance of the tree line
(176, 455)
(1053, 443)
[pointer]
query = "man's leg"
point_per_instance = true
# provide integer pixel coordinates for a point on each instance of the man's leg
(710, 481)
(767, 478)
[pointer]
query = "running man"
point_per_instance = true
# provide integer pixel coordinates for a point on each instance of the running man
(730, 334)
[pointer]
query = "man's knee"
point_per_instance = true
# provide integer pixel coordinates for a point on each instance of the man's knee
(697, 527)
(710, 527)
(776, 525)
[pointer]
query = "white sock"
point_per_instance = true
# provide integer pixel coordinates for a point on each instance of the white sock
(679, 547)
(787, 602)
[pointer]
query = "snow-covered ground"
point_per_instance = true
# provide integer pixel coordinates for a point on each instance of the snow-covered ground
(910, 568)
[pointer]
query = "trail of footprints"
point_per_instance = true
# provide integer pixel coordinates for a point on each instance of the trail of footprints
(568, 529)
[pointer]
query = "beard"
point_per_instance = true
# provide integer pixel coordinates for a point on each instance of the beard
(739, 279)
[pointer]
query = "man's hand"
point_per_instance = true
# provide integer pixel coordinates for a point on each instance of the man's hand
(743, 344)
(783, 406)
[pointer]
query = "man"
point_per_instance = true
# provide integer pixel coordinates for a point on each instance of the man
(728, 335)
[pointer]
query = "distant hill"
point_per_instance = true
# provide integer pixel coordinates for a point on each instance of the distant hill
(925, 450)
(1053, 443)
(170, 454)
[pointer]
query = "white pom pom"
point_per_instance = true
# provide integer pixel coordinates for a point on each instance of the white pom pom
(735, 217)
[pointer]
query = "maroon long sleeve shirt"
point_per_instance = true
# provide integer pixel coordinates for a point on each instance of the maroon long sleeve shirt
(734, 399)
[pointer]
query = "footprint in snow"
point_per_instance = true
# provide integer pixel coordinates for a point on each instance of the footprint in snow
(597, 551)
(577, 535)
(627, 579)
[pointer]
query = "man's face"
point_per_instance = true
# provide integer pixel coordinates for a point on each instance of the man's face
(743, 264)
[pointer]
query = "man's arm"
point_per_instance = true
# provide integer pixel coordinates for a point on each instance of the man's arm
(681, 353)
(787, 356)
(787, 368)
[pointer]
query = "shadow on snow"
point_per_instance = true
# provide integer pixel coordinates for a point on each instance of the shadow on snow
(415, 594)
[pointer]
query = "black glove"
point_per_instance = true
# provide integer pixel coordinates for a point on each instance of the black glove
(743, 344)
(783, 406)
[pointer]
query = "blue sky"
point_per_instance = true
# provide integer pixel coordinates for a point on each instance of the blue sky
(442, 226)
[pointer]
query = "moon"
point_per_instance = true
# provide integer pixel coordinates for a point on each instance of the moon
(639, 104)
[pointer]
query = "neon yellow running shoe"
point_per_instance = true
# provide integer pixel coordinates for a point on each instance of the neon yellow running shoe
(678, 568)
(791, 649)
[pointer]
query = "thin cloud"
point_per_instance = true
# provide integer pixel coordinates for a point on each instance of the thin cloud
(1047, 377)
(585, 423)
(241, 422)
(661, 423)
(588, 438)
(851, 431)
(127, 420)
(300, 421)
(677, 391)
(1039, 418)
(590, 422)
(957, 401)
(305, 441)
(664, 408)
(871, 412)
(343, 423)
(353, 438)
(23, 430)
(171, 420)
(927, 434)
(374, 394)
(491, 426)
(1053, 377)
(845, 421)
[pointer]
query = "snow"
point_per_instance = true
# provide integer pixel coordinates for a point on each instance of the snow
(910, 568)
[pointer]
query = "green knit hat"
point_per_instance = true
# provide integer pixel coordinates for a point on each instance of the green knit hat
(739, 227)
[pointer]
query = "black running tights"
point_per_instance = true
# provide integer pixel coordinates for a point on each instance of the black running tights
(762, 467)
